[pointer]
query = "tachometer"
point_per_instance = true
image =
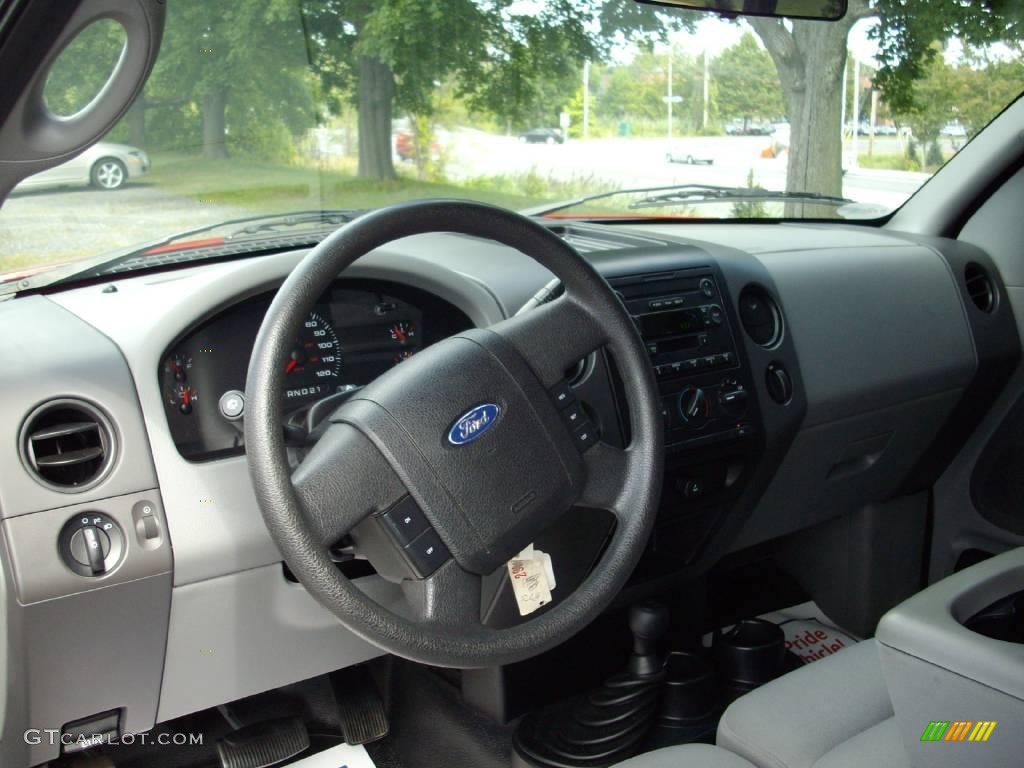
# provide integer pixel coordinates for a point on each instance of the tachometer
(314, 365)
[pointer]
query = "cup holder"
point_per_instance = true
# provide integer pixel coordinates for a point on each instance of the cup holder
(689, 689)
(1003, 620)
(751, 653)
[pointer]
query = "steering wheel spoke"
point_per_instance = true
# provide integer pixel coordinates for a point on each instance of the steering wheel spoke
(342, 480)
(605, 467)
(553, 337)
(450, 597)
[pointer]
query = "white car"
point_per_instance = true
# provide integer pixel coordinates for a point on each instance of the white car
(105, 166)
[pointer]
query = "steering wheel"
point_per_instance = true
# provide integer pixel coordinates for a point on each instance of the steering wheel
(470, 435)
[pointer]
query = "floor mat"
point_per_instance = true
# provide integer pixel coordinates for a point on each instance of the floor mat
(341, 756)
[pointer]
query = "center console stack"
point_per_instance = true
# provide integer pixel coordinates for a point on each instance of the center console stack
(684, 320)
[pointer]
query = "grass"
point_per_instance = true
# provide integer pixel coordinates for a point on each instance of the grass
(898, 162)
(272, 187)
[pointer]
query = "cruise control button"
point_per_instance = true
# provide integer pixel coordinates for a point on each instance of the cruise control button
(585, 435)
(427, 553)
(562, 394)
(405, 521)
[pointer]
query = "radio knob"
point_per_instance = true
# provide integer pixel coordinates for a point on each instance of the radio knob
(694, 407)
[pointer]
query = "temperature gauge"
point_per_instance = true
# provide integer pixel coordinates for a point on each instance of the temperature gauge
(183, 397)
(405, 354)
(403, 333)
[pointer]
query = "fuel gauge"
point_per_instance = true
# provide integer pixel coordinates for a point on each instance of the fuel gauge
(180, 394)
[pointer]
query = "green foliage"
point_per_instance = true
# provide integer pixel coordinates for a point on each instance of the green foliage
(748, 83)
(83, 67)
(908, 29)
(753, 209)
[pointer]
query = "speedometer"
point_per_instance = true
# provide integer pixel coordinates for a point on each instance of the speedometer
(314, 365)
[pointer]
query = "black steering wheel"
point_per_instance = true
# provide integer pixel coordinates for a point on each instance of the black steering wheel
(468, 433)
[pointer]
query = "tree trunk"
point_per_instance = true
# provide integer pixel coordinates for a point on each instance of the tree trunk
(137, 122)
(375, 92)
(811, 58)
(214, 103)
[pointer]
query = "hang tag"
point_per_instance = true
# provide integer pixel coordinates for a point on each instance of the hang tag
(533, 577)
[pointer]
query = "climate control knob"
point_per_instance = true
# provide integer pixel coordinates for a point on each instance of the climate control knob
(733, 398)
(694, 407)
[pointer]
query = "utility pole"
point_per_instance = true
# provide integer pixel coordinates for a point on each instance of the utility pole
(586, 100)
(856, 113)
(842, 109)
(707, 90)
(669, 98)
(874, 121)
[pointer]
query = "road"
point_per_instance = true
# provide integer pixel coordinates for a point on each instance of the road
(634, 162)
(60, 225)
(63, 224)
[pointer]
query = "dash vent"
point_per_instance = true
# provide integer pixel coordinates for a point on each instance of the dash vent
(67, 445)
(980, 287)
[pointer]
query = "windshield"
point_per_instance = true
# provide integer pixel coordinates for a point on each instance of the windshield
(260, 108)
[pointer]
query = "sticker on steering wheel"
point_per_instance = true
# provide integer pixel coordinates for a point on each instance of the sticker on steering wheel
(533, 577)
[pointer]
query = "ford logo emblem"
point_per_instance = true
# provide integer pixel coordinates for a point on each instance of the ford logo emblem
(472, 424)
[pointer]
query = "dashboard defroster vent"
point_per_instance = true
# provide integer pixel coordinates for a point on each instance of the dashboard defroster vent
(68, 445)
(980, 287)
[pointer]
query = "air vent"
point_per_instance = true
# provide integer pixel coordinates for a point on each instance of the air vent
(980, 287)
(68, 445)
(760, 316)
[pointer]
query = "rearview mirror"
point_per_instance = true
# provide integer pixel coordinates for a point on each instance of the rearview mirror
(820, 10)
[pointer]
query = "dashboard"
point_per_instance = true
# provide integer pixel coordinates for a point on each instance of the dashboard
(355, 333)
(805, 371)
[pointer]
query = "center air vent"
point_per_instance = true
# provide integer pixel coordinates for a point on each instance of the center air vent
(760, 316)
(68, 445)
(979, 287)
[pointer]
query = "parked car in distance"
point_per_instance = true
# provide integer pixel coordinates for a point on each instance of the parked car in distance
(748, 128)
(542, 136)
(105, 165)
(687, 157)
(954, 129)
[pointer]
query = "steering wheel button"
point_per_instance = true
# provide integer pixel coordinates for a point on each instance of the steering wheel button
(585, 435)
(562, 394)
(427, 553)
(405, 521)
(574, 415)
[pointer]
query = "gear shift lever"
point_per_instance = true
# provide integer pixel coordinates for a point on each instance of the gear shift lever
(608, 724)
(648, 621)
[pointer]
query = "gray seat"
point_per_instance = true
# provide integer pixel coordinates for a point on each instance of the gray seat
(687, 756)
(835, 713)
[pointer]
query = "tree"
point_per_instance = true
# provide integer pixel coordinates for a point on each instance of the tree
(748, 84)
(810, 57)
(243, 64)
(385, 54)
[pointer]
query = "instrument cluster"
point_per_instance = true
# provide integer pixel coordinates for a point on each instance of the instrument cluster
(355, 333)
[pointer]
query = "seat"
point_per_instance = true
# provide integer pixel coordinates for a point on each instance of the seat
(834, 713)
(687, 756)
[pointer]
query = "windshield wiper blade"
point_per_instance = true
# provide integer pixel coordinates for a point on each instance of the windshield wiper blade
(328, 218)
(694, 193)
(697, 193)
(256, 233)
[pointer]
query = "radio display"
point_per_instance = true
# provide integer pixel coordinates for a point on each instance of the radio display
(674, 323)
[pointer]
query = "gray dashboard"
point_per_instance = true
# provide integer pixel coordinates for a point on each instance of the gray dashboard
(879, 339)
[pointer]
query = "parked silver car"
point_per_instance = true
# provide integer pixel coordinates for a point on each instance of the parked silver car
(105, 166)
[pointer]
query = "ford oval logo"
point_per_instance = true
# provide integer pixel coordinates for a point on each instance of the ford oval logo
(473, 424)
